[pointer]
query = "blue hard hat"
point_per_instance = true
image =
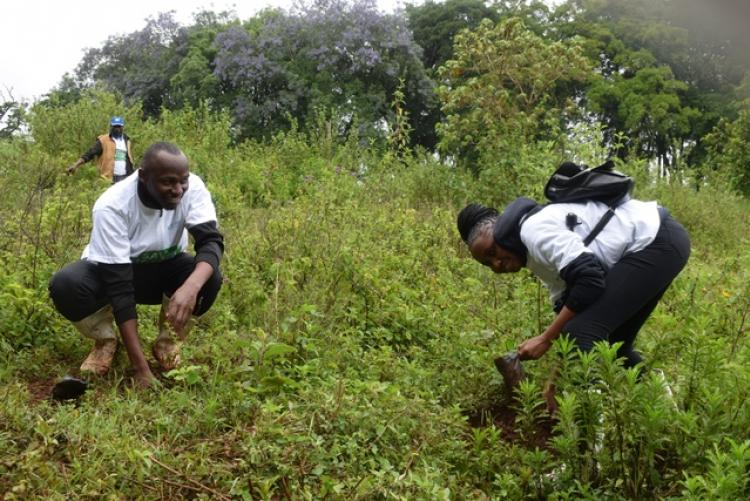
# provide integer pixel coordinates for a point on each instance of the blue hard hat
(117, 121)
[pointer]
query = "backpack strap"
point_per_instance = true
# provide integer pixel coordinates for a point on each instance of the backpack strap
(604, 219)
(599, 226)
(594, 231)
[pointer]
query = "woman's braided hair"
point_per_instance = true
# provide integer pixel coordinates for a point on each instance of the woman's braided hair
(473, 220)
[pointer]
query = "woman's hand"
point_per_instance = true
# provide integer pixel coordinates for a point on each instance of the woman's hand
(537, 346)
(534, 348)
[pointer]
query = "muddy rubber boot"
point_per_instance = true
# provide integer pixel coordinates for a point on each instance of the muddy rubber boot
(98, 326)
(166, 348)
(509, 366)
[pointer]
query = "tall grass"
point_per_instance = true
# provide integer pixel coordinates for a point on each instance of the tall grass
(353, 340)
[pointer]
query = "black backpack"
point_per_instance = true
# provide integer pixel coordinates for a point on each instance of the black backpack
(576, 183)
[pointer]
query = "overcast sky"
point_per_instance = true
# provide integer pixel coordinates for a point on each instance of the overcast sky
(40, 40)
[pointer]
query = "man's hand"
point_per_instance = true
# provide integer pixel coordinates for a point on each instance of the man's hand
(181, 306)
(182, 302)
(143, 377)
(144, 380)
(75, 166)
(534, 348)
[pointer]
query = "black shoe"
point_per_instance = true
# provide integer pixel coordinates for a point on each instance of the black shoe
(69, 388)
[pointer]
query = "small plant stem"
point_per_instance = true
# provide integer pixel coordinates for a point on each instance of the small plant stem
(740, 330)
(285, 486)
(198, 486)
(539, 307)
(37, 239)
(693, 368)
(181, 486)
(412, 457)
(276, 302)
(146, 486)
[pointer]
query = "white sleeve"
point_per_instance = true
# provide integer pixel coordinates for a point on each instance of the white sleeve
(109, 242)
(200, 208)
(551, 243)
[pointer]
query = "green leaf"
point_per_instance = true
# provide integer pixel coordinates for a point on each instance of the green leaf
(275, 350)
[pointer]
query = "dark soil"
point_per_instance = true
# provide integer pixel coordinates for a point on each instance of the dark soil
(41, 389)
(503, 416)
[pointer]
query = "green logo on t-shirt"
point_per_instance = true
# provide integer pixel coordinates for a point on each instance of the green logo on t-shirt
(157, 256)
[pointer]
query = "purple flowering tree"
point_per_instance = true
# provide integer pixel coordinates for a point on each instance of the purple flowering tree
(332, 56)
(138, 65)
(340, 59)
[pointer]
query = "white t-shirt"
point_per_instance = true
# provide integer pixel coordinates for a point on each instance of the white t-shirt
(121, 153)
(126, 231)
(552, 246)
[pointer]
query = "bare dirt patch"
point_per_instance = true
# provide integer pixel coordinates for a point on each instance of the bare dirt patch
(503, 417)
(41, 389)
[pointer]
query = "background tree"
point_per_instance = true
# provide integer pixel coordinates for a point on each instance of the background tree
(703, 42)
(68, 91)
(11, 114)
(250, 63)
(501, 89)
(435, 24)
(700, 42)
(139, 65)
(641, 106)
(195, 81)
(728, 158)
(336, 57)
(666, 72)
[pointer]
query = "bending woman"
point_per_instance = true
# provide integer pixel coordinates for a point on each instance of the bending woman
(601, 292)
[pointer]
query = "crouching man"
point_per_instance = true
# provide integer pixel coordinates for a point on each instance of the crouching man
(136, 255)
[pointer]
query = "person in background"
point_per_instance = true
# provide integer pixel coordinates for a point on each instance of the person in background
(601, 292)
(136, 255)
(114, 157)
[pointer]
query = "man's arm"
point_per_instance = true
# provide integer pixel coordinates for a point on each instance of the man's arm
(129, 164)
(209, 249)
(109, 247)
(129, 334)
(209, 243)
(92, 152)
(118, 285)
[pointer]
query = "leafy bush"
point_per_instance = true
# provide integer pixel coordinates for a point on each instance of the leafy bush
(65, 132)
(350, 351)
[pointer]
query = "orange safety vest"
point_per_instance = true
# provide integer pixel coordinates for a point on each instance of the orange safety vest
(106, 161)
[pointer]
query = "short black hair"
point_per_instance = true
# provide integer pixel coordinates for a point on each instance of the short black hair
(157, 148)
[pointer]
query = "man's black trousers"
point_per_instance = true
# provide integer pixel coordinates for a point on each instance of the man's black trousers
(77, 290)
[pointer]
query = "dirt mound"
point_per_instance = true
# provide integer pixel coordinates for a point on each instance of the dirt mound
(503, 416)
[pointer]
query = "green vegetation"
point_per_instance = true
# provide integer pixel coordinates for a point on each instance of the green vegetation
(350, 352)
(658, 76)
(349, 355)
